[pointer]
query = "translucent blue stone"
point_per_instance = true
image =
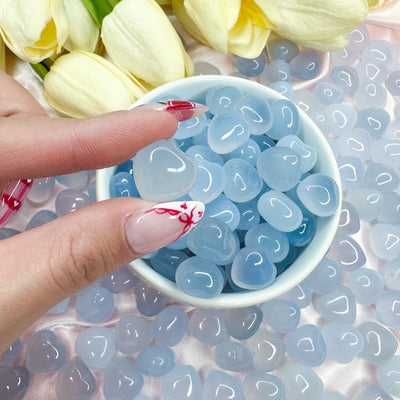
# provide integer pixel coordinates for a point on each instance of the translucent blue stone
(95, 305)
(11, 354)
(156, 360)
(282, 315)
(328, 93)
(250, 66)
(286, 119)
(203, 152)
(199, 277)
(258, 385)
(14, 382)
(91, 190)
(8, 232)
(225, 210)
(219, 385)
(372, 71)
(221, 99)
(40, 218)
(132, 334)
(300, 295)
(369, 94)
(346, 77)
(96, 346)
(307, 345)
(119, 281)
(301, 382)
(191, 127)
(263, 141)
(373, 392)
(280, 211)
(249, 215)
(381, 177)
(283, 49)
(74, 381)
(60, 307)
(375, 120)
(243, 323)
(201, 138)
(126, 166)
(305, 65)
(205, 68)
(77, 180)
(163, 172)
(305, 100)
(321, 119)
(256, 112)
(41, 190)
(338, 305)
(252, 269)
(386, 151)
(268, 350)
(210, 182)
(387, 308)
(391, 274)
(347, 252)
(319, 193)
(343, 341)
(393, 82)
(274, 243)
(341, 118)
(366, 285)
(208, 326)
(280, 167)
(343, 57)
(393, 129)
(368, 202)
(355, 142)
(242, 180)
(276, 70)
(70, 200)
(122, 184)
(307, 153)
(233, 356)
(385, 241)
(387, 375)
(249, 151)
(349, 222)
(122, 380)
(184, 144)
(166, 261)
(282, 87)
(396, 57)
(333, 395)
(358, 38)
(226, 133)
(170, 325)
(380, 50)
(149, 301)
(182, 383)
(352, 172)
(305, 232)
(379, 343)
(45, 352)
(326, 275)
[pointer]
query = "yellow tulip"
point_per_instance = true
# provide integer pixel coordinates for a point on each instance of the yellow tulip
(33, 30)
(81, 84)
(2, 55)
(139, 37)
(83, 30)
(321, 24)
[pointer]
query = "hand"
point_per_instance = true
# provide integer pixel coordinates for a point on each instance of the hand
(42, 266)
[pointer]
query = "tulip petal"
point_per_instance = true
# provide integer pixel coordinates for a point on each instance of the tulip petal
(310, 20)
(256, 44)
(81, 84)
(139, 37)
(2, 55)
(329, 44)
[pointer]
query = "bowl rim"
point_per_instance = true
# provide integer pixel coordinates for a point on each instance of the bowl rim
(282, 283)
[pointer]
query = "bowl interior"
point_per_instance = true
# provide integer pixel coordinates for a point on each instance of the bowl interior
(195, 89)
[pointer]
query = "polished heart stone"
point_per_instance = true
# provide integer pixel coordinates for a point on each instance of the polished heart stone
(156, 360)
(45, 352)
(347, 252)
(132, 334)
(258, 385)
(14, 382)
(388, 308)
(163, 172)
(243, 323)
(374, 392)
(11, 354)
(233, 356)
(149, 301)
(182, 383)
(208, 326)
(219, 385)
(388, 375)
(282, 315)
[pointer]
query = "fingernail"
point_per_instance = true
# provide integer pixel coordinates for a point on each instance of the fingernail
(162, 224)
(12, 198)
(184, 110)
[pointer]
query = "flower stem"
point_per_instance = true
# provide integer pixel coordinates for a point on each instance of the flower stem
(114, 2)
(98, 9)
(40, 69)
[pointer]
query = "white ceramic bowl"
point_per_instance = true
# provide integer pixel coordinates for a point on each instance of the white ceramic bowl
(195, 89)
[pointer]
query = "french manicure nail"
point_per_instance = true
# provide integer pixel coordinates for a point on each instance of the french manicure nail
(12, 198)
(184, 110)
(162, 224)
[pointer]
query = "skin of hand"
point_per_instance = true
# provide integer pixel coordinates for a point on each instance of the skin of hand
(42, 266)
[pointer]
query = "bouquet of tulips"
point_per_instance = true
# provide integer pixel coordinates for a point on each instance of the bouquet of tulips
(97, 56)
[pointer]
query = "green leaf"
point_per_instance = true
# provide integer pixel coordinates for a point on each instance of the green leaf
(98, 9)
(114, 2)
(40, 69)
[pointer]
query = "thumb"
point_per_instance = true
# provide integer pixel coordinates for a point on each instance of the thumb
(73, 251)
